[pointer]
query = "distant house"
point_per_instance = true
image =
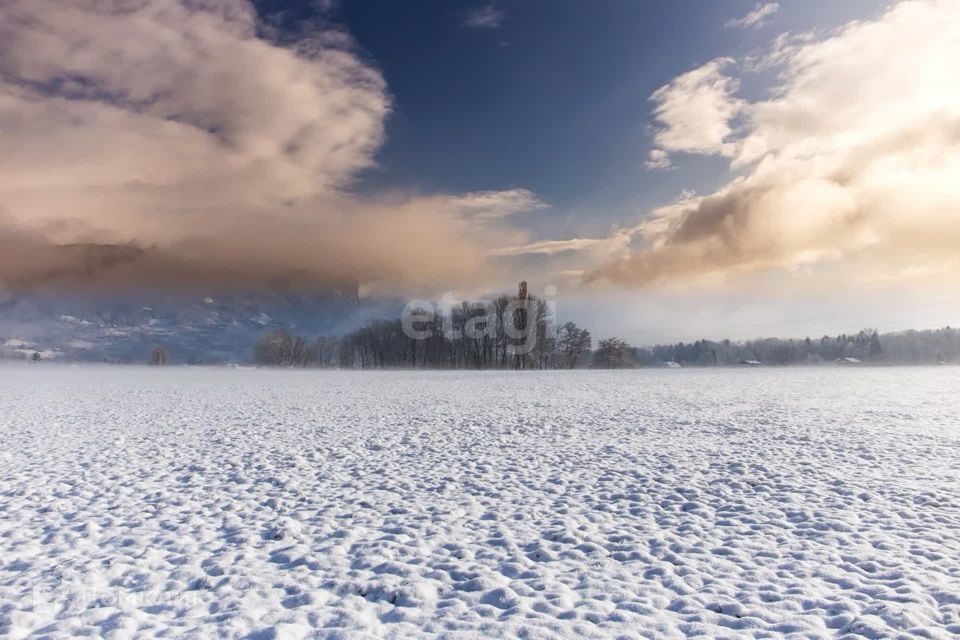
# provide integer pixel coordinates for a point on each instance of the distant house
(670, 364)
(849, 361)
(750, 363)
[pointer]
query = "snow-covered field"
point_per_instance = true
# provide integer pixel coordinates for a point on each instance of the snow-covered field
(805, 503)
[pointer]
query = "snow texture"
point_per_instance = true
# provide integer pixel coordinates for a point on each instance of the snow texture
(202, 503)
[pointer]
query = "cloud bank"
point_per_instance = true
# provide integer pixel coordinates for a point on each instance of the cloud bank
(174, 143)
(854, 159)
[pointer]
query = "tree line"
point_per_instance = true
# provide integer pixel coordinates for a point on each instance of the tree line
(867, 346)
(505, 335)
(510, 332)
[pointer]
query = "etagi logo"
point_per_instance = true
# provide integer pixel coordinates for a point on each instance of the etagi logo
(522, 322)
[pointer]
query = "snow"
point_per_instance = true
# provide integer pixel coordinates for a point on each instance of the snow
(15, 343)
(184, 502)
(27, 350)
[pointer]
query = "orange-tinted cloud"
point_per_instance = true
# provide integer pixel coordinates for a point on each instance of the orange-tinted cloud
(854, 160)
(171, 143)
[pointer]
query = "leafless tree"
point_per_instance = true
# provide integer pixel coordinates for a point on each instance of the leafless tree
(520, 321)
(281, 349)
(573, 345)
(346, 353)
(323, 352)
(158, 356)
(612, 353)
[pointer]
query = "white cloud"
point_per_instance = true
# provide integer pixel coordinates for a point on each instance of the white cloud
(154, 93)
(489, 205)
(179, 127)
(658, 159)
(757, 17)
(854, 160)
(551, 247)
(563, 262)
(694, 113)
(487, 17)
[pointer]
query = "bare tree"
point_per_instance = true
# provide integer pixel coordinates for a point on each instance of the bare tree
(612, 353)
(346, 352)
(520, 320)
(573, 344)
(323, 352)
(158, 356)
(280, 349)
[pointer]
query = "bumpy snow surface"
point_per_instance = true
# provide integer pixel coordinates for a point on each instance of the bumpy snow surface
(803, 503)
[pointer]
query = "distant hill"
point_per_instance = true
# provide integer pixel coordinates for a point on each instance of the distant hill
(192, 329)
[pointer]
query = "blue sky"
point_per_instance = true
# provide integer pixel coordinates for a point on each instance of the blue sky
(555, 98)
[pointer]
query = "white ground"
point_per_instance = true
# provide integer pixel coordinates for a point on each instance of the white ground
(806, 503)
